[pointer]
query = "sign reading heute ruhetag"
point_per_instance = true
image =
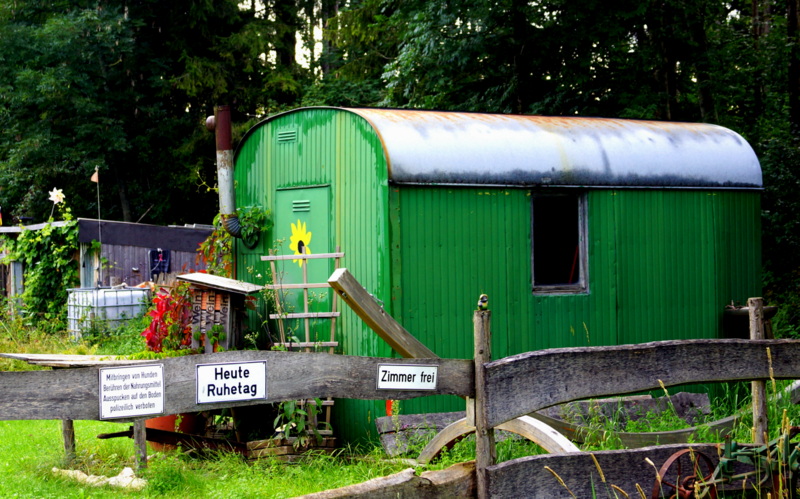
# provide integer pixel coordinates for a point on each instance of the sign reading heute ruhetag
(231, 381)
(131, 391)
(407, 377)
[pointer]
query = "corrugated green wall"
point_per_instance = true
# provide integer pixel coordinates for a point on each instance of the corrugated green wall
(338, 149)
(662, 265)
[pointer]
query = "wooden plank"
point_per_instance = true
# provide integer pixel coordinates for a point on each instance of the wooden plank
(485, 450)
(222, 283)
(304, 344)
(528, 477)
(310, 285)
(366, 307)
(288, 443)
(307, 326)
(278, 306)
(543, 435)
(272, 258)
(58, 360)
(455, 481)
(16, 229)
(306, 315)
(528, 382)
(73, 393)
(758, 387)
(323, 403)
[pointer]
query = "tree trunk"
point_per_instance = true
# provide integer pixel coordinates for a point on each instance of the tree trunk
(521, 61)
(122, 190)
(329, 10)
(793, 27)
(287, 25)
(697, 24)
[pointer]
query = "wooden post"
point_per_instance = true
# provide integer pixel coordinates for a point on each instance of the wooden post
(68, 431)
(760, 424)
(485, 451)
(374, 316)
(140, 443)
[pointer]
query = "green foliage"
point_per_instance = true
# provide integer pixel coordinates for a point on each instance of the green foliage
(215, 252)
(253, 220)
(17, 335)
(294, 420)
(215, 336)
(50, 269)
(123, 340)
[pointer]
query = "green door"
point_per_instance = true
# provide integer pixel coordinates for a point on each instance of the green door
(302, 225)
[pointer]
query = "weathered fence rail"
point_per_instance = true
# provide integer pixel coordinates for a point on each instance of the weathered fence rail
(73, 393)
(508, 388)
(525, 383)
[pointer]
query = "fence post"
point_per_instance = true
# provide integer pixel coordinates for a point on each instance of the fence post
(760, 424)
(68, 432)
(485, 451)
(140, 443)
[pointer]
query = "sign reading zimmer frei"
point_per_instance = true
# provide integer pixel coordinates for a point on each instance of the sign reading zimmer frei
(131, 391)
(231, 381)
(407, 377)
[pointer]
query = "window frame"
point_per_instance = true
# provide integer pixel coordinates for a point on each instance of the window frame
(581, 286)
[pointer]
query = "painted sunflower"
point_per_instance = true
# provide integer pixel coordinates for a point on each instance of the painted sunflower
(299, 241)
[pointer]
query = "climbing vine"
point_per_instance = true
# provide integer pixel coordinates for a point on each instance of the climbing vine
(49, 256)
(215, 252)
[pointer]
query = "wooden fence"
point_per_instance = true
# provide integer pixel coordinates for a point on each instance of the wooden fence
(502, 390)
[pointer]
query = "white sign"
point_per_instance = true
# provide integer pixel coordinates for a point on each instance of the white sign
(131, 391)
(229, 382)
(406, 377)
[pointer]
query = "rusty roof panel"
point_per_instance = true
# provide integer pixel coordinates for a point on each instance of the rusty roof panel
(479, 149)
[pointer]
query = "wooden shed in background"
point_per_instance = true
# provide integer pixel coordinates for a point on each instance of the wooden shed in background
(132, 253)
(582, 231)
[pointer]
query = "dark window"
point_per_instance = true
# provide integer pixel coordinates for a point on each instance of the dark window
(559, 255)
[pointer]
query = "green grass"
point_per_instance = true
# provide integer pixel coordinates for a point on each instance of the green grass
(30, 449)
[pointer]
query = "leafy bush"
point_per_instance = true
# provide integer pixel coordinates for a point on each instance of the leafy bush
(170, 325)
(50, 269)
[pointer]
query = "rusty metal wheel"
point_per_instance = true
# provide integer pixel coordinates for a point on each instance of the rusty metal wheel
(681, 477)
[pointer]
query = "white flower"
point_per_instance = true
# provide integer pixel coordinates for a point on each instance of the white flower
(56, 196)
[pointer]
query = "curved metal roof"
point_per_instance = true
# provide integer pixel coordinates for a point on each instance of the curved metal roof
(433, 147)
(469, 148)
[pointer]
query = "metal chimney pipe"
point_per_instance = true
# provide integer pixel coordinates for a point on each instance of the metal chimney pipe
(221, 124)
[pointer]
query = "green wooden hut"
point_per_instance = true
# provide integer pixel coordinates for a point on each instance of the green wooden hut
(582, 231)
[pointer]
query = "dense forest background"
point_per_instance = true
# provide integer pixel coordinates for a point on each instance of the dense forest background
(124, 86)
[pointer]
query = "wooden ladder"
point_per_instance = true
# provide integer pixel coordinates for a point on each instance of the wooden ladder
(306, 316)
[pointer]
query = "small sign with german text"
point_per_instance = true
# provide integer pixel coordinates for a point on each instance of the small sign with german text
(407, 377)
(231, 382)
(131, 391)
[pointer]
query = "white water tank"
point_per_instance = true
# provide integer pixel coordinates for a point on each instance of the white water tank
(104, 308)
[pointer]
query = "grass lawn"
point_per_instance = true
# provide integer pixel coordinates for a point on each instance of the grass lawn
(29, 450)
